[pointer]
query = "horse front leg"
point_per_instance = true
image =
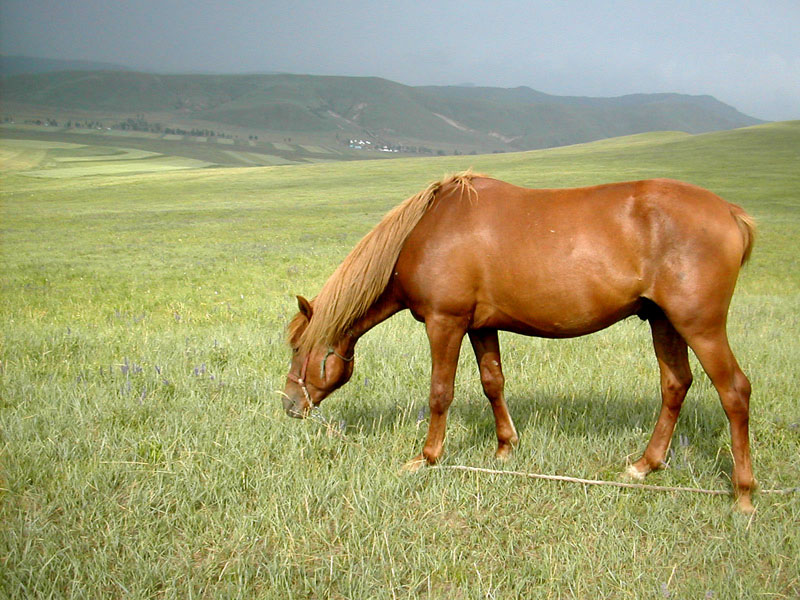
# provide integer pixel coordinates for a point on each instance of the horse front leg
(444, 335)
(487, 353)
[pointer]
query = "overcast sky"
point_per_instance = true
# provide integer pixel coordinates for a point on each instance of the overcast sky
(746, 54)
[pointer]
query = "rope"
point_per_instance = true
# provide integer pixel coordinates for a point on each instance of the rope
(620, 484)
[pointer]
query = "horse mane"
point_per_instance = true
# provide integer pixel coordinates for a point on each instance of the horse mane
(363, 275)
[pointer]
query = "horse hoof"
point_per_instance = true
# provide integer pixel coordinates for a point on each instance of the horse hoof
(744, 505)
(632, 473)
(503, 453)
(414, 465)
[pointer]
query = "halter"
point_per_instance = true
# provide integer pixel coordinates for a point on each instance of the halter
(325, 360)
(301, 379)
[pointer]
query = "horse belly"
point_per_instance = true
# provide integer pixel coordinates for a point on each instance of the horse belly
(563, 290)
(544, 318)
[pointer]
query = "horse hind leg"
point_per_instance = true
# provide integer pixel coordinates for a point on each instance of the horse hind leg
(676, 378)
(487, 352)
(714, 353)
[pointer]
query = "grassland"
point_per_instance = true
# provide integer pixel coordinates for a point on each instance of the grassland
(144, 452)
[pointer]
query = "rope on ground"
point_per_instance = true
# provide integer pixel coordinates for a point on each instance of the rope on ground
(620, 484)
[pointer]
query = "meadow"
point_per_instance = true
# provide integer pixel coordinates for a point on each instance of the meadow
(144, 451)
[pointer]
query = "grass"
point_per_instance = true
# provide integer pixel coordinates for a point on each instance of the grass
(144, 452)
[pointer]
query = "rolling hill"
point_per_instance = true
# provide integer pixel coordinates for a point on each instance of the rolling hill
(335, 109)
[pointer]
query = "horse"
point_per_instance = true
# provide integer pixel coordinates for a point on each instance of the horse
(472, 255)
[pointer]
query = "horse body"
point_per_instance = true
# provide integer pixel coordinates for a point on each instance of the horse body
(564, 263)
(483, 255)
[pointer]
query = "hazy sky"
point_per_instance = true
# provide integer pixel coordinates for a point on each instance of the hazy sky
(744, 53)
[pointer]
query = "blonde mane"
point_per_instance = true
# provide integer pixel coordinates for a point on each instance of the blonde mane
(363, 275)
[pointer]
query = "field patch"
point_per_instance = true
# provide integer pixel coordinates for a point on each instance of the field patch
(283, 147)
(20, 155)
(36, 144)
(17, 160)
(75, 131)
(260, 160)
(121, 167)
(320, 160)
(133, 134)
(315, 149)
(62, 160)
(112, 154)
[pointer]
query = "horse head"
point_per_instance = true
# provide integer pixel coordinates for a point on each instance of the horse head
(307, 385)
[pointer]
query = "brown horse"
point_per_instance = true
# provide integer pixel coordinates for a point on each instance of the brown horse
(474, 255)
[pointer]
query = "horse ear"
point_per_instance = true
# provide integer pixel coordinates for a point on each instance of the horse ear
(305, 307)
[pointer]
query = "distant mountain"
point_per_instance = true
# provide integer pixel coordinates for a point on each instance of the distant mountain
(530, 119)
(16, 65)
(462, 117)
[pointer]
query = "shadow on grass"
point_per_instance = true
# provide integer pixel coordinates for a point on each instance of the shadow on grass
(701, 425)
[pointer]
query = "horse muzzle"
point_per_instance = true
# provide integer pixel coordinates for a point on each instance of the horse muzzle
(295, 404)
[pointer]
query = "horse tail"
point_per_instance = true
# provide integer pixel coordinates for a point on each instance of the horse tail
(364, 274)
(747, 227)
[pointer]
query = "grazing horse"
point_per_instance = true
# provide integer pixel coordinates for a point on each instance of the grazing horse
(473, 255)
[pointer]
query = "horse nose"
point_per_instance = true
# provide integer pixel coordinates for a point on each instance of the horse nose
(294, 406)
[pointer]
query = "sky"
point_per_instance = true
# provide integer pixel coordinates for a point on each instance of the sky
(744, 53)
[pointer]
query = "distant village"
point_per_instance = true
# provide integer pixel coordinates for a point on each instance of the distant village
(367, 145)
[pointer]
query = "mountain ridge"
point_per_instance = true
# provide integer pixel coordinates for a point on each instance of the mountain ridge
(474, 118)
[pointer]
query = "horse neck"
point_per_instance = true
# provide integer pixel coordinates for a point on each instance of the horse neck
(383, 308)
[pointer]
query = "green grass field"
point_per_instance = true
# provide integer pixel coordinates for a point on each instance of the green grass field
(144, 452)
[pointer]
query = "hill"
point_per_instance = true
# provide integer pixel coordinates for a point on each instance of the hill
(337, 109)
